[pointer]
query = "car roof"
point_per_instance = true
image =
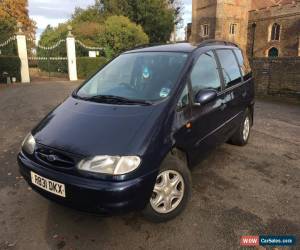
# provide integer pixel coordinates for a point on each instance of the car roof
(181, 47)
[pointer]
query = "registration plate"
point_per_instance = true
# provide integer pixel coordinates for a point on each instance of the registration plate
(48, 185)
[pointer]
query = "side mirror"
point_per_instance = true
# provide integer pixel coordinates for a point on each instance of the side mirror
(205, 96)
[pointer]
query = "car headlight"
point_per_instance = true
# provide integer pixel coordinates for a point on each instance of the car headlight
(114, 165)
(28, 145)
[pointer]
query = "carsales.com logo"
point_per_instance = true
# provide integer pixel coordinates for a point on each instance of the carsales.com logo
(267, 240)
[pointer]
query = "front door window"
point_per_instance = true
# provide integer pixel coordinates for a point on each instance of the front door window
(205, 74)
(230, 67)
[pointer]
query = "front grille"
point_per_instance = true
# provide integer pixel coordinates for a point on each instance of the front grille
(55, 158)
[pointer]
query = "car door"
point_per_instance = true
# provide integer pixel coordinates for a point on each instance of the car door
(207, 120)
(233, 92)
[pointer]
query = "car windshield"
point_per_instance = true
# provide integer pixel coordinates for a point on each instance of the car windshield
(144, 76)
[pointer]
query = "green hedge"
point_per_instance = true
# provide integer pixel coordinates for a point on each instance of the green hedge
(11, 65)
(58, 66)
(87, 66)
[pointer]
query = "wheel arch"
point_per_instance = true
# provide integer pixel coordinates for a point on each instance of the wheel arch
(181, 155)
(251, 110)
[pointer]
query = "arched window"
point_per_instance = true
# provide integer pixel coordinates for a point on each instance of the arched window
(275, 32)
(273, 52)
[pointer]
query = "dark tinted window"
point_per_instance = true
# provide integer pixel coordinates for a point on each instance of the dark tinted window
(243, 63)
(230, 67)
(205, 73)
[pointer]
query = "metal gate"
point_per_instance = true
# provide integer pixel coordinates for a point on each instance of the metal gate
(47, 62)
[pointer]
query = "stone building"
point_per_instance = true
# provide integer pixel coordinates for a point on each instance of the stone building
(274, 30)
(262, 27)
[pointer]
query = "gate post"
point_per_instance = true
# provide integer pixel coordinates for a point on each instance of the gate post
(22, 52)
(71, 53)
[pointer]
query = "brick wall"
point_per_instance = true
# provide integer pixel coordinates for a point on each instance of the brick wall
(280, 76)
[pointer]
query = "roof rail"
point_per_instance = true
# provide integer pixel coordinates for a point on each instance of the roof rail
(213, 41)
(147, 45)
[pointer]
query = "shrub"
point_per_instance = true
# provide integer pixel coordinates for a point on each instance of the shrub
(11, 65)
(121, 34)
(87, 66)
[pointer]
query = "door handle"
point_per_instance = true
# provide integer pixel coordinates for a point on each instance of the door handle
(244, 94)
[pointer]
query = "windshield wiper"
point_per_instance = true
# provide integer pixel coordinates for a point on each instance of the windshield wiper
(115, 100)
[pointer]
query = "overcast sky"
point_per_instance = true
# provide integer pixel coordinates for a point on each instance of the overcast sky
(53, 12)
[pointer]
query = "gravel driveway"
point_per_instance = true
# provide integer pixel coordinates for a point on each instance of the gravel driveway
(236, 191)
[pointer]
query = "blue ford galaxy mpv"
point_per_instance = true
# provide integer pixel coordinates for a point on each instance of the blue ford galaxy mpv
(127, 137)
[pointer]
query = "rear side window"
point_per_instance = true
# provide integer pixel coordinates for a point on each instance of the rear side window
(230, 67)
(243, 63)
(205, 73)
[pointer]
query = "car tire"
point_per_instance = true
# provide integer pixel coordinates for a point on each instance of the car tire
(177, 170)
(242, 135)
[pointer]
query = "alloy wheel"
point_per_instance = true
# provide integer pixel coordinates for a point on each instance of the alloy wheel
(168, 191)
(246, 129)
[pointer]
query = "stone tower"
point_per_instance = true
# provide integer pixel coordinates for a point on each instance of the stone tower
(221, 19)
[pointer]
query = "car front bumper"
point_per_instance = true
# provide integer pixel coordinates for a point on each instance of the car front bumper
(92, 195)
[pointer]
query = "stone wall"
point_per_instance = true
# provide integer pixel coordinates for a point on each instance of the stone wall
(280, 76)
